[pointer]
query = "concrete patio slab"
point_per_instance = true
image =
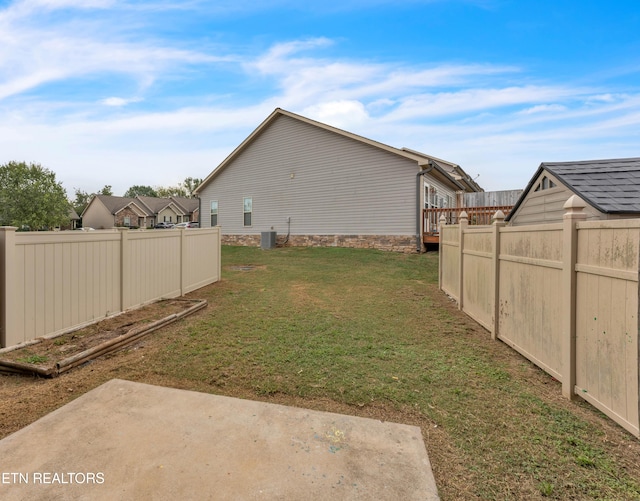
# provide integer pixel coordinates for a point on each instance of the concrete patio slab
(126, 440)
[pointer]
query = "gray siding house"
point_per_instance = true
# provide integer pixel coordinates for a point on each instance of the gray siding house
(313, 184)
(610, 188)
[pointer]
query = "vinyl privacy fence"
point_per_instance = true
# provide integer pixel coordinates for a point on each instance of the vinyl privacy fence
(51, 282)
(564, 295)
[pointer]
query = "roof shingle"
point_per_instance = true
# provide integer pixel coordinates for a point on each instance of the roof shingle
(611, 186)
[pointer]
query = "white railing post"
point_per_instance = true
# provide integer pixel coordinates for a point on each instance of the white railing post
(574, 207)
(498, 222)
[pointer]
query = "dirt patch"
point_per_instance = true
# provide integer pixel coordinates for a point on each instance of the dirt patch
(245, 267)
(50, 356)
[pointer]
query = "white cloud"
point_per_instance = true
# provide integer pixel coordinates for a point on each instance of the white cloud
(544, 108)
(341, 114)
(37, 52)
(470, 100)
(119, 101)
(603, 98)
(62, 4)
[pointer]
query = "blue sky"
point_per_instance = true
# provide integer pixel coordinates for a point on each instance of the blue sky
(151, 92)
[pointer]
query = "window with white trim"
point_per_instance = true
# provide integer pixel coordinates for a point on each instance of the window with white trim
(431, 198)
(247, 210)
(214, 213)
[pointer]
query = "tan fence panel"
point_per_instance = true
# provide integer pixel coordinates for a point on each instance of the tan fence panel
(61, 280)
(51, 282)
(478, 277)
(567, 299)
(202, 258)
(607, 318)
(450, 260)
(151, 266)
(530, 293)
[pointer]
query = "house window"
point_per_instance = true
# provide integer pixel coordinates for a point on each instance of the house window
(127, 221)
(431, 198)
(448, 202)
(248, 209)
(214, 213)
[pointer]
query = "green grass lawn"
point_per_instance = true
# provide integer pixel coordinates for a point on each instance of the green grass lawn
(369, 333)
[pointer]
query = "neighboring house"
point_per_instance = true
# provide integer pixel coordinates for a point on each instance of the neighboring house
(106, 211)
(610, 188)
(73, 220)
(314, 184)
(171, 210)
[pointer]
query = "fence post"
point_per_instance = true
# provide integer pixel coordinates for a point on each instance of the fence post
(7, 286)
(498, 222)
(574, 213)
(462, 226)
(183, 259)
(125, 286)
(443, 222)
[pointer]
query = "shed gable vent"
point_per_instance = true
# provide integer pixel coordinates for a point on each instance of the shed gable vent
(545, 184)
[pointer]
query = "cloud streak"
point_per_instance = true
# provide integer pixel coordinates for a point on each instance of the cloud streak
(37, 53)
(120, 91)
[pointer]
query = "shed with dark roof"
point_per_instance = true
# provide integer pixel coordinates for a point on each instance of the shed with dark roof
(610, 188)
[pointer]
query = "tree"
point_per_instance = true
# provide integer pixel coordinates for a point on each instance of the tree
(171, 191)
(184, 189)
(143, 191)
(81, 201)
(106, 190)
(190, 184)
(31, 197)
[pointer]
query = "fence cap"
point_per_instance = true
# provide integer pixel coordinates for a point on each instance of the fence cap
(574, 205)
(498, 217)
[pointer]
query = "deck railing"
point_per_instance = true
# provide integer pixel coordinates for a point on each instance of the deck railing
(476, 216)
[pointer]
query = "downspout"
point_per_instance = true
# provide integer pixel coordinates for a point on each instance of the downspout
(423, 172)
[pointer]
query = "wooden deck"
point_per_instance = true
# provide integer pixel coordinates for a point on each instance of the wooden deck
(477, 216)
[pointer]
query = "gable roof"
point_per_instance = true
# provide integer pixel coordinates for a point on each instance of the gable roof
(611, 186)
(157, 205)
(421, 159)
(149, 206)
(115, 204)
(188, 205)
(454, 171)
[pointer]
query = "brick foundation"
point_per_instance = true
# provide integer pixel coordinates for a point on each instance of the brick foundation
(395, 243)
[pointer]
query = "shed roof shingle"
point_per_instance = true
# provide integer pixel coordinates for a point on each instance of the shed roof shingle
(611, 186)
